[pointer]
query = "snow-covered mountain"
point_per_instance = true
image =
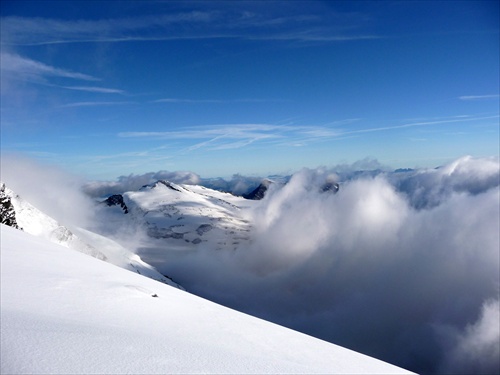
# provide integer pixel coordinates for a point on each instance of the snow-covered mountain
(19, 213)
(64, 312)
(184, 216)
(189, 216)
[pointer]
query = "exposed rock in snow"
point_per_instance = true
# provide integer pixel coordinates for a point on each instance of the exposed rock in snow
(259, 192)
(7, 212)
(35, 222)
(117, 200)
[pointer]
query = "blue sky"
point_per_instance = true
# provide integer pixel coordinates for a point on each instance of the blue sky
(111, 88)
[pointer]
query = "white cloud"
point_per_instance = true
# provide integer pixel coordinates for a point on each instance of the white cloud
(102, 90)
(450, 120)
(245, 21)
(39, 31)
(214, 101)
(365, 268)
(428, 188)
(92, 104)
(479, 97)
(316, 35)
(238, 184)
(16, 70)
(218, 137)
(16, 66)
(133, 182)
(477, 348)
(50, 189)
(191, 101)
(209, 131)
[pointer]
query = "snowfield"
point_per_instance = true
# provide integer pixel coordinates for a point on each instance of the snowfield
(183, 216)
(64, 312)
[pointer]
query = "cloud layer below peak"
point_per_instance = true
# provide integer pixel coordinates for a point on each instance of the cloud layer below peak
(401, 266)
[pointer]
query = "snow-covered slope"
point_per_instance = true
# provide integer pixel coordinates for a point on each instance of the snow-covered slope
(33, 221)
(64, 312)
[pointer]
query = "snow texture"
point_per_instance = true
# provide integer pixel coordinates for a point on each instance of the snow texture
(183, 216)
(64, 312)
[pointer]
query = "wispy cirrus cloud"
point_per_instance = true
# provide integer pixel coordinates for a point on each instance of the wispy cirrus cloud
(218, 137)
(479, 97)
(230, 142)
(229, 131)
(453, 119)
(315, 35)
(190, 101)
(15, 66)
(236, 21)
(214, 101)
(39, 31)
(102, 90)
(93, 104)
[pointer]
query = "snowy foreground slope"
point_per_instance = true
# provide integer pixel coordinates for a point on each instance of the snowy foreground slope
(65, 312)
(16, 210)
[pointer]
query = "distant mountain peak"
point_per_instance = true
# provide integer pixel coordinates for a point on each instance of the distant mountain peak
(116, 200)
(168, 184)
(183, 216)
(260, 191)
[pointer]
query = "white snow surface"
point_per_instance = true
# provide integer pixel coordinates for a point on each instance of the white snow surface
(185, 216)
(37, 223)
(63, 312)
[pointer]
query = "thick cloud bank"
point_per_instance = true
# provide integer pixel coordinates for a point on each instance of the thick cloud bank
(428, 188)
(403, 267)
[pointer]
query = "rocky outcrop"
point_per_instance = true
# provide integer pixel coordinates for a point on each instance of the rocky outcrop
(260, 191)
(117, 200)
(329, 186)
(7, 212)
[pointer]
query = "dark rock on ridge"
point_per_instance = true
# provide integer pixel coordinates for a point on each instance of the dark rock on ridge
(260, 191)
(330, 187)
(117, 200)
(7, 212)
